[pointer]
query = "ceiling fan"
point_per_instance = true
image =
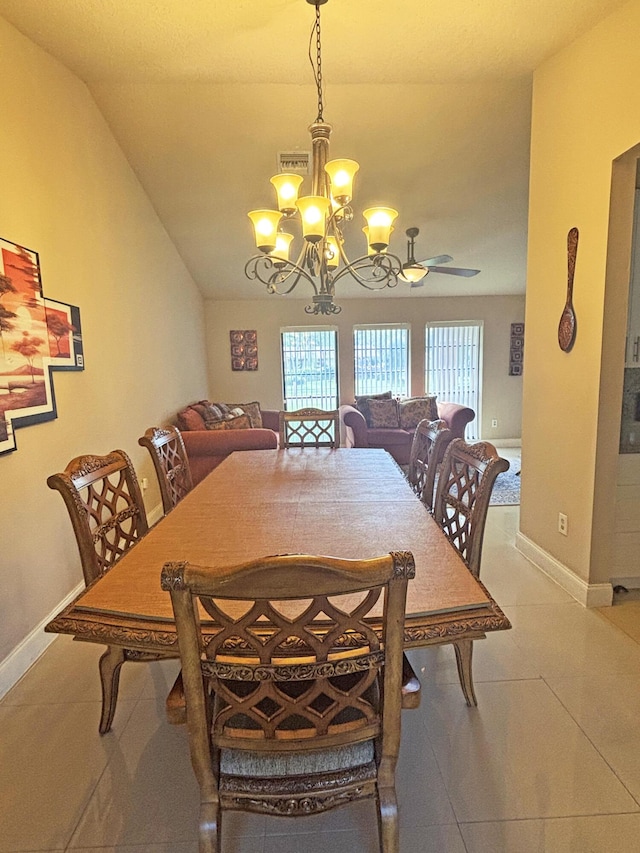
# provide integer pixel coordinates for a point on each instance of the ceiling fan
(414, 272)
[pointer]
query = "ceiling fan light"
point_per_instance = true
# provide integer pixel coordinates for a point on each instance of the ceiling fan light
(379, 220)
(287, 186)
(413, 272)
(313, 212)
(265, 226)
(341, 174)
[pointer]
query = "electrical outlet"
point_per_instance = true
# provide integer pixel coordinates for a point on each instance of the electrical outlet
(144, 484)
(494, 423)
(563, 524)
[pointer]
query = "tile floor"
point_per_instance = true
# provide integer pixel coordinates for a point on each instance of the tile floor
(549, 761)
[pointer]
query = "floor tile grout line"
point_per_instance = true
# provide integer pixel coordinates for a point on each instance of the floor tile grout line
(594, 745)
(118, 736)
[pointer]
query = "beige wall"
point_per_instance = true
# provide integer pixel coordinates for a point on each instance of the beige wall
(502, 393)
(68, 192)
(586, 113)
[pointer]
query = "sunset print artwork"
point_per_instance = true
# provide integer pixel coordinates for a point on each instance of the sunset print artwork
(37, 336)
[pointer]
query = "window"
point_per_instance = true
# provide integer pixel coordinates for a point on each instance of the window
(309, 368)
(452, 360)
(381, 359)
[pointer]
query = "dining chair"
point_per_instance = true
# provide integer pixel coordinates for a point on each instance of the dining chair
(465, 484)
(170, 460)
(430, 441)
(310, 428)
(107, 513)
(294, 703)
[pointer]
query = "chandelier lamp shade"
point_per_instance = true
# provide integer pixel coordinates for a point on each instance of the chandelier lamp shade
(320, 218)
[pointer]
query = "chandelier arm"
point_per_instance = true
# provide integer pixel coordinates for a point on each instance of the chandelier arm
(386, 268)
(263, 269)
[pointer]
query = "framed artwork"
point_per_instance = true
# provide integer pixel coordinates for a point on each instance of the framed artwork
(244, 349)
(37, 336)
(516, 349)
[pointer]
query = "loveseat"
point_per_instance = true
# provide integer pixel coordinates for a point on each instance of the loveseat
(397, 441)
(207, 447)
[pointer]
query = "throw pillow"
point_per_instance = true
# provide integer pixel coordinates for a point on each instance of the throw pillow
(214, 412)
(190, 419)
(251, 409)
(362, 404)
(415, 409)
(238, 422)
(234, 422)
(384, 414)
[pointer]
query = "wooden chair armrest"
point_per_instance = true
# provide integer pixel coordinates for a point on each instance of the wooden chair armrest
(411, 686)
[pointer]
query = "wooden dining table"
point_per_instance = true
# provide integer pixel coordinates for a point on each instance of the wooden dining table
(349, 503)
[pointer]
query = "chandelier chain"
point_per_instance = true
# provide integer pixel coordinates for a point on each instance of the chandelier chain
(317, 69)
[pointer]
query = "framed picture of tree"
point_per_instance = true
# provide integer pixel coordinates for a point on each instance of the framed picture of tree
(37, 337)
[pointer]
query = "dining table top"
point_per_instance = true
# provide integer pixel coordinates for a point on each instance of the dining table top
(350, 503)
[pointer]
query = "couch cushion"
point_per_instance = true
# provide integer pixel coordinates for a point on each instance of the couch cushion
(386, 438)
(362, 403)
(251, 409)
(415, 409)
(383, 414)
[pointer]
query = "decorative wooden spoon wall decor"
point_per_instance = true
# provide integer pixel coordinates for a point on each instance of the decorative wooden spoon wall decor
(568, 322)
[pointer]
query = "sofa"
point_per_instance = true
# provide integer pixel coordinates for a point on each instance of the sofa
(397, 441)
(207, 448)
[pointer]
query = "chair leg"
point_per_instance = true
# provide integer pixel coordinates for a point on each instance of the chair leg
(388, 820)
(464, 654)
(209, 828)
(110, 664)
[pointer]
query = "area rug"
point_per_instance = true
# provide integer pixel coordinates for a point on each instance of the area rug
(506, 489)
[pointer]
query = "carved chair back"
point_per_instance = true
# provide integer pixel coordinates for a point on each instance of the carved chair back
(465, 483)
(170, 460)
(430, 441)
(105, 505)
(294, 668)
(310, 428)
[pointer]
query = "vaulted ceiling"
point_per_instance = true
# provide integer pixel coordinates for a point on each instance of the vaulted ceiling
(432, 97)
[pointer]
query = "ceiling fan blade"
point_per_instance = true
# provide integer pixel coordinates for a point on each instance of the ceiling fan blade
(455, 271)
(439, 259)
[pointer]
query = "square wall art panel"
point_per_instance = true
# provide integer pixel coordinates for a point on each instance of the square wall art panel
(244, 349)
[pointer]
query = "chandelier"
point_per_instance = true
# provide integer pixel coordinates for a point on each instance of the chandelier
(322, 260)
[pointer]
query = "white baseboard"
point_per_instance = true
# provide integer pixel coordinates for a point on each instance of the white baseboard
(26, 653)
(504, 442)
(155, 514)
(588, 594)
(628, 583)
(13, 667)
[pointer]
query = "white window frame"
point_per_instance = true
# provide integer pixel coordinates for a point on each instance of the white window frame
(318, 401)
(445, 390)
(391, 385)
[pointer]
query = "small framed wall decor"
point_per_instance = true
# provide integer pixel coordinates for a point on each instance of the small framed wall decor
(516, 349)
(244, 349)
